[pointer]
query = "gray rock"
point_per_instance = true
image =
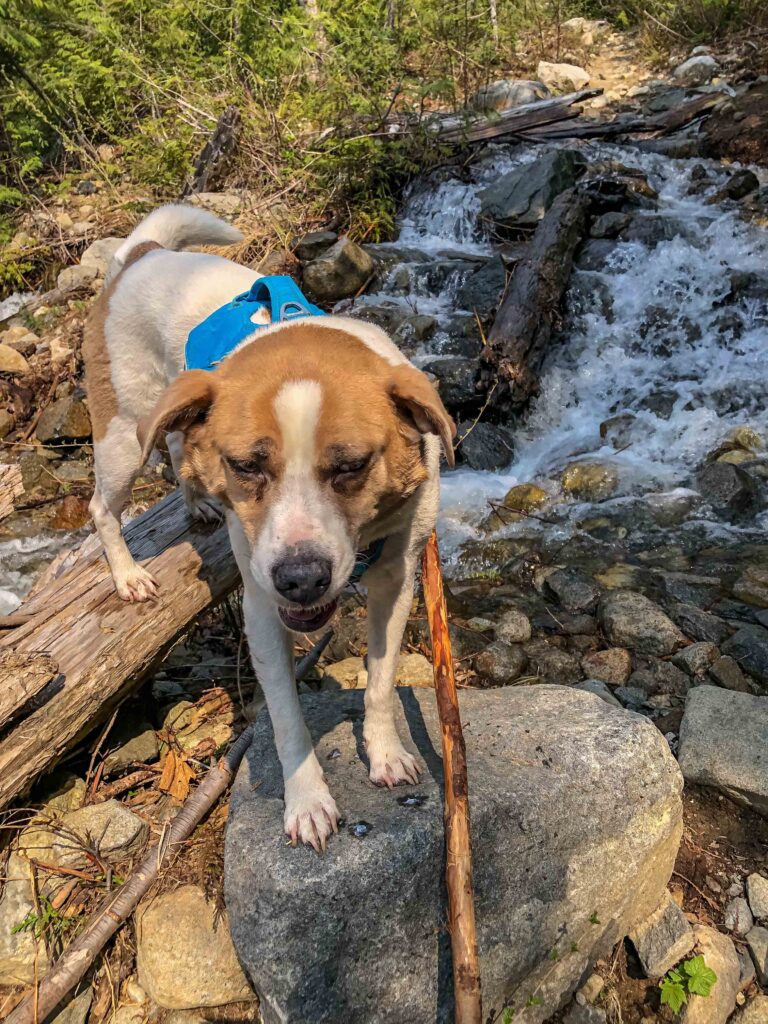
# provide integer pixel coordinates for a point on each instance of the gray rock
(507, 94)
(632, 697)
(314, 244)
(485, 445)
(562, 77)
(757, 893)
(99, 254)
(749, 647)
(738, 917)
(18, 950)
(483, 289)
(755, 1012)
(600, 689)
(71, 279)
(725, 672)
(339, 273)
(500, 663)
(696, 70)
(663, 938)
(455, 380)
(66, 419)
(514, 627)
(134, 740)
(552, 664)
(573, 589)
(696, 659)
(700, 625)
(757, 940)
(587, 1014)
(184, 952)
(741, 184)
(414, 330)
(729, 489)
(651, 229)
(608, 225)
(117, 829)
(521, 197)
(720, 955)
(296, 918)
(632, 620)
(686, 588)
(611, 666)
(748, 972)
(76, 1010)
(595, 253)
(724, 744)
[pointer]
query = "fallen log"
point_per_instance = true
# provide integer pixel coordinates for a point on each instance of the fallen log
(22, 677)
(476, 128)
(217, 154)
(11, 487)
(104, 648)
(517, 341)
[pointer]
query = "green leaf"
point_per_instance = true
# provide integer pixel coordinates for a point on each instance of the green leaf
(700, 978)
(672, 994)
(507, 1015)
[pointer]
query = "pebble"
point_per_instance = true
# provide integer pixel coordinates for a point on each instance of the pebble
(500, 663)
(757, 893)
(738, 917)
(514, 627)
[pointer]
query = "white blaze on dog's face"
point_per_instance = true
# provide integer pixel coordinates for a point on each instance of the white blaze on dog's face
(308, 436)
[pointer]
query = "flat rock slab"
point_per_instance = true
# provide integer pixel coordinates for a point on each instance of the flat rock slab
(724, 744)
(576, 821)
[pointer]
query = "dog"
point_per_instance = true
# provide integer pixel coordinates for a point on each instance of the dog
(316, 437)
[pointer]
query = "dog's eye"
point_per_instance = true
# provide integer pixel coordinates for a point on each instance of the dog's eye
(252, 468)
(349, 470)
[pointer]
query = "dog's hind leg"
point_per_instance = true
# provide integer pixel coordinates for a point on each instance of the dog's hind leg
(200, 505)
(118, 463)
(390, 592)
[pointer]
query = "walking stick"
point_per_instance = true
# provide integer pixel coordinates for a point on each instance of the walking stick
(458, 871)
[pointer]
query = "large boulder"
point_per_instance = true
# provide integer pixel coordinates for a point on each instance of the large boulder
(520, 198)
(695, 71)
(562, 77)
(724, 744)
(506, 94)
(576, 821)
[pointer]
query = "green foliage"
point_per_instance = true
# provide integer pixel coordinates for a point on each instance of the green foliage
(692, 977)
(507, 1015)
(48, 922)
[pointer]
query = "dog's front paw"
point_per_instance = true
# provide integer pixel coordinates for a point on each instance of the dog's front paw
(311, 814)
(391, 763)
(135, 584)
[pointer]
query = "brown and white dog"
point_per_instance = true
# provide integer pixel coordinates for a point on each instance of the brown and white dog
(317, 437)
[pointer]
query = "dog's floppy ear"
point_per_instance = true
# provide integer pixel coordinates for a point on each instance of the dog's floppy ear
(183, 403)
(417, 400)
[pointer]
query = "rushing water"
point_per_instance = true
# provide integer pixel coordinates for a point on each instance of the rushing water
(652, 334)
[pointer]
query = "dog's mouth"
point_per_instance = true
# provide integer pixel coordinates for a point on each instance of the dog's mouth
(306, 620)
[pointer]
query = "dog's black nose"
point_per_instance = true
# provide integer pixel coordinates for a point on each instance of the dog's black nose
(303, 577)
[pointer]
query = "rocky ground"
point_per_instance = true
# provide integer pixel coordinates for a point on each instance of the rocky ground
(668, 624)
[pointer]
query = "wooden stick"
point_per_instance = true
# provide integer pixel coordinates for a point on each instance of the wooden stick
(115, 910)
(458, 871)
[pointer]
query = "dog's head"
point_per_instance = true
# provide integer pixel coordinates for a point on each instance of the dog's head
(308, 436)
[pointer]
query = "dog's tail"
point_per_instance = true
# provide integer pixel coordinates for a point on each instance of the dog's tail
(175, 226)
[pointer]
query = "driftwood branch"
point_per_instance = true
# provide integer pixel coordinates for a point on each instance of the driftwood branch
(104, 647)
(73, 964)
(11, 487)
(458, 871)
(521, 331)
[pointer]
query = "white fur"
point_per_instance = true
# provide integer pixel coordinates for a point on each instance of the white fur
(154, 306)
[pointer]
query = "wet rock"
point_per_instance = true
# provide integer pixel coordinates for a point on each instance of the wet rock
(700, 625)
(461, 336)
(99, 254)
(485, 445)
(184, 952)
(752, 586)
(720, 955)
(456, 380)
(314, 244)
(738, 917)
(755, 1012)
(729, 489)
(11, 361)
(757, 941)
(500, 663)
(507, 94)
(521, 197)
(757, 893)
(562, 77)
(590, 481)
(725, 672)
(651, 229)
(573, 589)
(600, 689)
(632, 620)
(595, 253)
(72, 513)
(339, 273)
(387, 315)
(525, 498)
(551, 664)
(737, 187)
(696, 659)
(608, 225)
(696, 71)
(687, 588)
(71, 279)
(514, 627)
(295, 917)
(723, 744)
(66, 419)
(612, 666)
(482, 290)
(749, 647)
(663, 938)
(618, 429)
(413, 330)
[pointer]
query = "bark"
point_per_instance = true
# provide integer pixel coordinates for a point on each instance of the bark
(22, 677)
(511, 122)
(518, 339)
(11, 488)
(103, 647)
(217, 153)
(458, 852)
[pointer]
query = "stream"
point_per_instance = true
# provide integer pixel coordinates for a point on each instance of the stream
(671, 336)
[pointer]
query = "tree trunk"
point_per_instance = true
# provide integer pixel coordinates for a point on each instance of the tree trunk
(11, 488)
(517, 342)
(104, 647)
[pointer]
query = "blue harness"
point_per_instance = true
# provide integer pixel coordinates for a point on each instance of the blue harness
(221, 332)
